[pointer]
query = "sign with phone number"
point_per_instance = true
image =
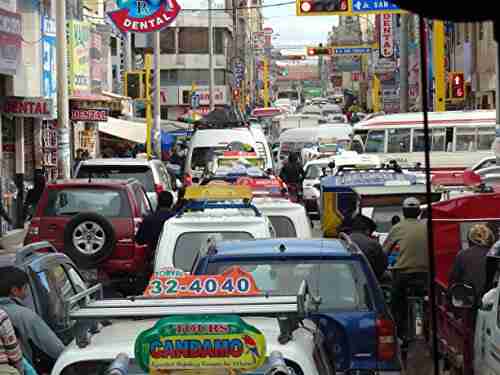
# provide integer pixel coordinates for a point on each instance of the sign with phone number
(173, 284)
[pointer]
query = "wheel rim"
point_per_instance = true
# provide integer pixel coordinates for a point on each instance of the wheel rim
(89, 238)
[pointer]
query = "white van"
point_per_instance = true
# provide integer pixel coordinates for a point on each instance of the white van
(263, 150)
(206, 143)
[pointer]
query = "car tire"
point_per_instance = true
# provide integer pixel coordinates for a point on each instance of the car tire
(89, 239)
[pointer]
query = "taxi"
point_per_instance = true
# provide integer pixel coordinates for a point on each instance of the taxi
(208, 325)
(224, 212)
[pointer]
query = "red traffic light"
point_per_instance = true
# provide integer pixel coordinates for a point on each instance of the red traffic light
(306, 6)
(319, 51)
(457, 85)
(236, 93)
(310, 51)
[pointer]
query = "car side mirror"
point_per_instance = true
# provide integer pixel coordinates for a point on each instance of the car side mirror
(462, 296)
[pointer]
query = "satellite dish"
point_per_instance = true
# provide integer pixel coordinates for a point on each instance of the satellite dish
(449, 10)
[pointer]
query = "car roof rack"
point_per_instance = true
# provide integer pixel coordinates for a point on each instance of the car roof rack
(87, 308)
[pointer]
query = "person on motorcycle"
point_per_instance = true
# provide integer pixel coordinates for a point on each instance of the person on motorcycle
(470, 264)
(412, 265)
(292, 173)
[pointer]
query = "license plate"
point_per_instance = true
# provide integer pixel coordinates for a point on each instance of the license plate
(89, 275)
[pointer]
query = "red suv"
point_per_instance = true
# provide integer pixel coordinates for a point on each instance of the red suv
(94, 223)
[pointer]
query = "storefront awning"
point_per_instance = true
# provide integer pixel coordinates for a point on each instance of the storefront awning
(128, 130)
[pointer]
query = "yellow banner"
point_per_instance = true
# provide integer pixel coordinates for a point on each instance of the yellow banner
(78, 57)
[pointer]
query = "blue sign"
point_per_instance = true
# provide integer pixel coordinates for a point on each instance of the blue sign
(195, 100)
(49, 77)
(363, 6)
(351, 50)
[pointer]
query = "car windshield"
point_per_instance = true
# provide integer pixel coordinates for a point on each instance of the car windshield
(383, 216)
(72, 201)
(190, 243)
(313, 171)
(284, 276)
(142, 173)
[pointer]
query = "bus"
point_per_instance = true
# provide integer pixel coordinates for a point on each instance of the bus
(459, 139)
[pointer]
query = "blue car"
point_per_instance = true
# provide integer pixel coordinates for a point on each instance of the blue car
(353, 314)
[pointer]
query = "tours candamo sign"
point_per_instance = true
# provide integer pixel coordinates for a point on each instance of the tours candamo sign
(144, 16)
(173, 283)
(201, 344)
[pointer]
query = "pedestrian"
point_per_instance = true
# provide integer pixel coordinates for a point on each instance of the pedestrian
(11, 356)
(35, 194)
(412, 265)
(30, 327)
(469, 266)
(362, 231)
(152, 225)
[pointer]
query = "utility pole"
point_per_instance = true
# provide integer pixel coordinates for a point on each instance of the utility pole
(403, 66)
(156, 95)
(63, 141)
(210, 57)
(438, 49)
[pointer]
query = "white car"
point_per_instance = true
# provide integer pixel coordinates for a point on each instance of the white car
(185, 234)
(287, 218)
(152, 174)
(314, 171)
(300, 353)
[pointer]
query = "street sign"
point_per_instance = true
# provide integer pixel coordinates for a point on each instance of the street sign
(346, 7)
(351, 50)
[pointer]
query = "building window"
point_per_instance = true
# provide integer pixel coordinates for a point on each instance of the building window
(219, 41)
(466, 34)
(185, 77)
(167, 41)
(193, 40)
(481, 30)
(114, 49)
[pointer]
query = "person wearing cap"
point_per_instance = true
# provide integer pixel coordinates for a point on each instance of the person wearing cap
(362, 230)
(469, 266)
(412, 264)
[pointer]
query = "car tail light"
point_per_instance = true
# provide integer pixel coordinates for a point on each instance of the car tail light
(159, 188)
(33, 234)
(137, 224)
(386, 339)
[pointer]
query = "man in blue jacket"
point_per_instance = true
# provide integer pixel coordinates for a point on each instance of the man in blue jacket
(30, 327)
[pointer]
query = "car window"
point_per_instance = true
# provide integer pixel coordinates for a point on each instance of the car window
(164, 176)
(382, 216)
(142, 201)
(189, 244)
(142, 173)
(283, 226)
(56, 288)
(204, 155)
(314, 171)
(284, 276)
(72, 201)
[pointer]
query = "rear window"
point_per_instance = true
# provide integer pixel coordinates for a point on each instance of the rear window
(204, 155)
(142, 173)
(383, 217)
(189, 244)
(72, 201)
(283, 226)
(313, 171)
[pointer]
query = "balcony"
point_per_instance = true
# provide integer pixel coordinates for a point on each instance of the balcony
(191, 61)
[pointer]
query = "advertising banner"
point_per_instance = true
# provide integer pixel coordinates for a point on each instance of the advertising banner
(78, 59)
(10, 41)
(27, 107)
(346, 64)
(220, 95)
(97, 78)
(49, 72)
(386, 36)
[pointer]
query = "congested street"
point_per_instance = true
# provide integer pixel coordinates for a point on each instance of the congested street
(259, 187)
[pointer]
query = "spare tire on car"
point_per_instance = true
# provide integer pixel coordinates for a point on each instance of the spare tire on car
(89, 239)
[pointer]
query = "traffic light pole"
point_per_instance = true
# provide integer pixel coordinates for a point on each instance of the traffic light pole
(438, 51)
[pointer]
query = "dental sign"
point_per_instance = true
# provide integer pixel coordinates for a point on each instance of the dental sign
(144, 16)
(386, 36)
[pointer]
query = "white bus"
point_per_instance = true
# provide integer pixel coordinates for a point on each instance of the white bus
(459, 138)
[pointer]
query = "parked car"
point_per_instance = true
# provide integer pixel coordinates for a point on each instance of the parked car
(353, 314)
(94, 222)
(152, 174)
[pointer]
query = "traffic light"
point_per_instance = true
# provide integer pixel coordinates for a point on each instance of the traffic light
(457, 85)
(148, 79)
(321, 7)
(134, 85)
(236, 93)
(319, 51)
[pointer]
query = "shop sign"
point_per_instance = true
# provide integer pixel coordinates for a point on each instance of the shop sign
(144, 16)
(386, 36)
(49, 72)
(27, 107)
(10, 41)
(97, 69)
(385, 66)
(79, 54)
(207, 344)
(220, 95)
(90, 115)
(170, 283)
